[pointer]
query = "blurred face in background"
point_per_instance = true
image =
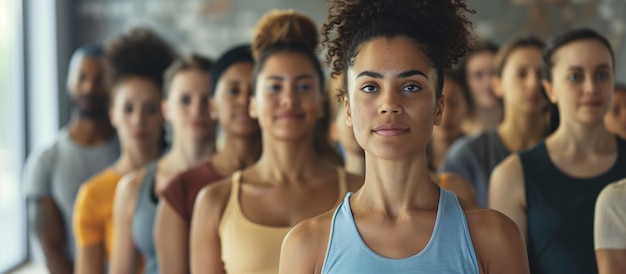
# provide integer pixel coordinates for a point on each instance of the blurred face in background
(288, 100)
(187, 107)
(136, 113)
(454, 111)
(615, 118)
(520, 82)
(86, 87)
(232, 99)
(480, 71)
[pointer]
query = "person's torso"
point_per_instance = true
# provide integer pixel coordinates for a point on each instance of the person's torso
(249, 247)
(143, 220)
(560, 212)
(449, 250)
(73, 165)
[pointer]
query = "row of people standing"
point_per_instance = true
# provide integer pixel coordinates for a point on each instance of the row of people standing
(239, 220)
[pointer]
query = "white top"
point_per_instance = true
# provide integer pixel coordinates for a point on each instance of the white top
(610, 217)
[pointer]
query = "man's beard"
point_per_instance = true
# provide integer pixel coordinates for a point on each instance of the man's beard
(92, 106)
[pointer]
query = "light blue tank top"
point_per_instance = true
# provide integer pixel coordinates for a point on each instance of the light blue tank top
(450, 249)
(143, 220)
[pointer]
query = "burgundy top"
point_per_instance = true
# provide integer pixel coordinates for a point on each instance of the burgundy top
(181, 192)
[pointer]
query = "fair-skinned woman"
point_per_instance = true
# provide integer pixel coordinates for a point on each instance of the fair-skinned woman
(395, 223)
(550, 190)
(239, 223)
(242, 146)
(135, 112)
(518, 83)
(186, 108)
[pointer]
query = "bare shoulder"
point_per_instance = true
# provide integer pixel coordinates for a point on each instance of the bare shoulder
(214, 197)
(128, 187)
(304, 247)
(354, 181)
(461, 187)
(509, 168)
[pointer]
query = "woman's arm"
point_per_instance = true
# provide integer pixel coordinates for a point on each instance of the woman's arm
(171, 234)
(124, 255)
(90, 259)
(507, 193)
(206, 250)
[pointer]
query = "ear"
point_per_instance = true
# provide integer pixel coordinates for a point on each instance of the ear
(213, 109)
(496, 86)
(252, 108)
(346, 108)
(547, 86)
(164, 110)
(439, 106)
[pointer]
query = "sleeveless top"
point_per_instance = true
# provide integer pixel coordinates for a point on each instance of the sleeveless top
(560, 212)
(143, 220)
(249, 247)
(449, 250)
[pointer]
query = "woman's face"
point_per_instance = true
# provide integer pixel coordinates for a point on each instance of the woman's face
(136, 113)
(520, 82)
(582, 81)
(454, 112)
(232, 100)
(187, 107)
(392, 105)
(288, 100)
(480, 71)
(615, 118)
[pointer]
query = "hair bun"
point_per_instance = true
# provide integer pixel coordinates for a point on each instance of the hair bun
(284, 26)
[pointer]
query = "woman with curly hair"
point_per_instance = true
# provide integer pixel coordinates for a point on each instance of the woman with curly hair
(135, 112)
(185, 105)
(239, 223)
(393, 55)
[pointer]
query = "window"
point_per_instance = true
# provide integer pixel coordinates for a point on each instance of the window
(12, 145)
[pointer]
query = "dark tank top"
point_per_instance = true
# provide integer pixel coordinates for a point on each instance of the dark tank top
(560, 211)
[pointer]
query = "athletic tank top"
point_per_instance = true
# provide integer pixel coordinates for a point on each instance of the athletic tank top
(560, 212)
(449, 250)
(249, 247)
(143, 220)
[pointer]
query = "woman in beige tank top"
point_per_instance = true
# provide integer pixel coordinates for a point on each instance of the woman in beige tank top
(238, 224)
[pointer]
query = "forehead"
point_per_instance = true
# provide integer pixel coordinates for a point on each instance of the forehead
(480, 60)
(391, 55)
(287, 64)
(583, 53)
(87, 63)
(238, 70)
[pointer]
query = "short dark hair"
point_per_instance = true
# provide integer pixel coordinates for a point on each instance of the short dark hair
(568, 36)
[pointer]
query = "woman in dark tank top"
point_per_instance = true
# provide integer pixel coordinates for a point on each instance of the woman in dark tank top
(550, 190)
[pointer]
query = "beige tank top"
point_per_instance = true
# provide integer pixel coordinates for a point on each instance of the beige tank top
(248, 247)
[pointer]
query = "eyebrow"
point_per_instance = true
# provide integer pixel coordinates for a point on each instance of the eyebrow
(281, 78)
(403, 74)
(601, 66)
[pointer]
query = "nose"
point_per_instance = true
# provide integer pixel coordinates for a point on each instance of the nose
(389, 103)
(288, 97)
(589, 86)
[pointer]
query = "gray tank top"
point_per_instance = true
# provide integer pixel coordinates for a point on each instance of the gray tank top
(143, 220)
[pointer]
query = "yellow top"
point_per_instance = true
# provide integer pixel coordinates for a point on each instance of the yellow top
(249, 247)
(93, 210)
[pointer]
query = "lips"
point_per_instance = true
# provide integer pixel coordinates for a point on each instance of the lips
(290, 116)
(390, 130)
(242, 116)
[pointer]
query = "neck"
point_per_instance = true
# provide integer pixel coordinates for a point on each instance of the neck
(288, 161)
(489, 117)
(354, 162)
(89, 131)
(581, 140)
(133, 158)
(186, 153)
(519, 132)
(438, 150)
(394, 186)
(238, 152)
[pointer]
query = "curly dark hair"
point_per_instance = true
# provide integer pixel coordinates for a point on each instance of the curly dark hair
(138, 52)
(440, 27)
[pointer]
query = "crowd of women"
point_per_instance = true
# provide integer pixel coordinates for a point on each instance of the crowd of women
(426, 151)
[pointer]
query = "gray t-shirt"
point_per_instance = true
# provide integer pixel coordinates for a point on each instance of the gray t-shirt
(473, 158)
(60, 169)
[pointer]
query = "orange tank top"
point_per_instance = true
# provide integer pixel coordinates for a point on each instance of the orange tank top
(248, 247)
